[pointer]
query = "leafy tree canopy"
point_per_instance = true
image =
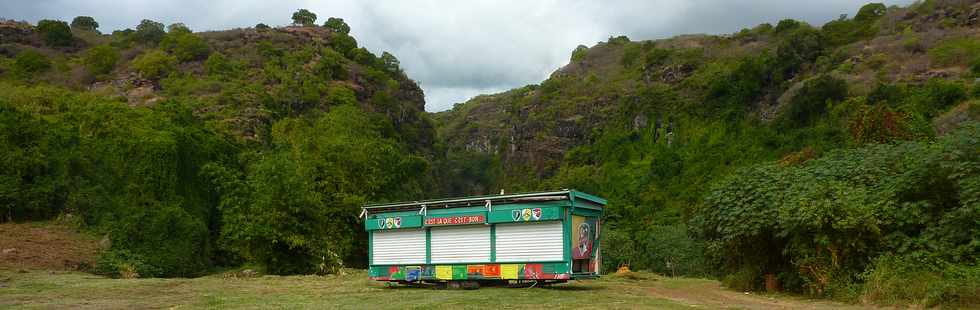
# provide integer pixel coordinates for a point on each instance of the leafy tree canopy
(55, 32)
(337, 25)
(149, 32)
(304, 17)
(84, 23)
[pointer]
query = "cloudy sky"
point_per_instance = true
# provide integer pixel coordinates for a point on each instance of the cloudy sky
(459, 49)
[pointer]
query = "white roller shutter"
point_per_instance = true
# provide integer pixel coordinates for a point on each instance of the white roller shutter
(399, 246)
(530, 242)
(460, 244)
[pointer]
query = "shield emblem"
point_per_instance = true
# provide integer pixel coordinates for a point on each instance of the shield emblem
(381, 223)
(536, 213)
(389, 222)
(398, 222)
(527, 214)
(515, 214)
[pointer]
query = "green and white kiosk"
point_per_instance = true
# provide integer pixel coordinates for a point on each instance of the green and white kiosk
(542, 237)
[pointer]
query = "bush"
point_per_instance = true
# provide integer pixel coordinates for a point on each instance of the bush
(219, 65)
(666, 249)
(902, 280)
(579, 53)
(123, 264)
(800, 46)
(29, 62)
(955, 51)
(827, 220)
(975, 67)
(101, 59)
(55, 32)
(154, 64)
(810, 102)
(185, 45)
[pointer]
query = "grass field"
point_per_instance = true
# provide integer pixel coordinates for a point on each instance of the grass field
(75, 290)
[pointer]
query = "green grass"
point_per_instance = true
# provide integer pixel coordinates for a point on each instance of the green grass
(59, 290)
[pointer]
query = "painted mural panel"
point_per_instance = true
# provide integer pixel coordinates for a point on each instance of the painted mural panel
(413, 273)
(492, 270)
(459, 272)
(583, 236)
(444, 272)
(509, 271)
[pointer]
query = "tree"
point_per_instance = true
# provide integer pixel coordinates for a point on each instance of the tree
(304, 17)
(391, 64)
(261, 26)
(337, 25)
(149, 31)
(86, 23)
(178, 28)
(786, 24)
(55, 32)
(870, 12)
(101, 59)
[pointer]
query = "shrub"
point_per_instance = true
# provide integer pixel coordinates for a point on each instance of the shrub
(579, 53)
(185, 45)
(827, 220)
(101, 59)
(29, 62)
(810, 102)
(900, 280)
(123, 264)
(219, 65)
(154, 64)
(955, 51)
(666, 249)
(55, 32)
(877, 124)
(800, 46)
(975, 67)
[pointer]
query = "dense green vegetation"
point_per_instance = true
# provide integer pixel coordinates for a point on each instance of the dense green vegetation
(205, 150)
(817, 155)
(841, 160)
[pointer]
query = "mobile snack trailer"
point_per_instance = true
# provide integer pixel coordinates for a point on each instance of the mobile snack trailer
(542, 237)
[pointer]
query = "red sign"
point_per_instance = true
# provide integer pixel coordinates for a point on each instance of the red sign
(456, 220)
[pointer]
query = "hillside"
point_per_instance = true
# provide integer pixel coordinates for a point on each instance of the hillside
(757, 152)
(197, 150)
(836, 160)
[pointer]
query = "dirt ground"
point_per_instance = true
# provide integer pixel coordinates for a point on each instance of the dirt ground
(46, 245)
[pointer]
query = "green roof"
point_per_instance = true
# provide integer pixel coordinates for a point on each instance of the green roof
(457, 202)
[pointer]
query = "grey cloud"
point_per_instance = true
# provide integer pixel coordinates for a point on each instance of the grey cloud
(459, 49)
